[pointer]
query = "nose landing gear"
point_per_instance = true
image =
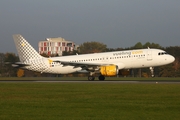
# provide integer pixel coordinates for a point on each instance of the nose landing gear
(152, 71)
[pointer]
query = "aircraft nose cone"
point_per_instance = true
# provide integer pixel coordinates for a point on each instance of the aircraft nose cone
(171, 59)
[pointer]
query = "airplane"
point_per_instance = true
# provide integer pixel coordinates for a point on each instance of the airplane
(106, 63)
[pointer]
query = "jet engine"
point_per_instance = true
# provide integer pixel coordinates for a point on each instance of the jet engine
(110, 70)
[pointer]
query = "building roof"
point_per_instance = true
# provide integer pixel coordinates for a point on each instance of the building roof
(58, 39)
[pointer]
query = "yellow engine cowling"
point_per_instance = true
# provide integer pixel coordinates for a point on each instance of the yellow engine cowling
(110, 70)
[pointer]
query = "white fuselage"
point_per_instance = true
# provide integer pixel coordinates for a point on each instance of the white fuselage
(123, 59)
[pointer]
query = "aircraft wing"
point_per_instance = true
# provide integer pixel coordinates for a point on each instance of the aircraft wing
(80, 64)
(88, 66)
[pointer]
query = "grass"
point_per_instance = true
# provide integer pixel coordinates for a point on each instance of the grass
(89, 101)
(85, 78)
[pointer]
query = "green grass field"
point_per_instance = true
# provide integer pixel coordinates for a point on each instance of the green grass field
(89, 101)
(85, 78)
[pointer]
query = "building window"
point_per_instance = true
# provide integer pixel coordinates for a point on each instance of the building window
(66, 49)
(45, 48)
(69, 44)
(63, 43)
(59, 43)
(44, 43)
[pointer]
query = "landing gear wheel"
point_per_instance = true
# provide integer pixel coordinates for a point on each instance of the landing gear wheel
(101, 77)
(91, 78)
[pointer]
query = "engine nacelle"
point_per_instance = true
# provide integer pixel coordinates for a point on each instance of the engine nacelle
(110, 70)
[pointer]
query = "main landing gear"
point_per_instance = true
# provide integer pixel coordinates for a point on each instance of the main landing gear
(91, 77)
(101, 77)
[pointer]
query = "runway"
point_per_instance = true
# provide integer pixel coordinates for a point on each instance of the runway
(107, 81)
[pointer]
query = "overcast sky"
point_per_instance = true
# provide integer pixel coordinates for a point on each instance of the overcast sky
(116, 23)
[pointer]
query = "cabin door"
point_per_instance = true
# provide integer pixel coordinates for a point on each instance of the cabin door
(149, 55)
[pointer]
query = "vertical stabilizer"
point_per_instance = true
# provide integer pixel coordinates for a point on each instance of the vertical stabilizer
(25, 50)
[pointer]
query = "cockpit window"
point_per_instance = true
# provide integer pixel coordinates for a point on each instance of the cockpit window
(162, 53)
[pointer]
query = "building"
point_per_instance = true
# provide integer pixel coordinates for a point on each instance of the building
(56, 46)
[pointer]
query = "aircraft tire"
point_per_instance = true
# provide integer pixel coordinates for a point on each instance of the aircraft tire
(91, 78)
(101, 77)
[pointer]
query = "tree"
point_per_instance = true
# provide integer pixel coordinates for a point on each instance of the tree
(138, 45)
(92, 47)
(9, 70)
(151, 45)
(146, 45)
(66, 53)
(20, 73)
(44, 55)
(173, 50)
(2, 57)
(154, 45)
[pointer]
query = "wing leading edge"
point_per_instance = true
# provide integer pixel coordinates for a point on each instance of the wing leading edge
(87, 65)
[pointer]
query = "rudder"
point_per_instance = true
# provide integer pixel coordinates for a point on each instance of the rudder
(25, 50)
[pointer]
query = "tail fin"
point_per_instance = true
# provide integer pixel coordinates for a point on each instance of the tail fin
(25, 50)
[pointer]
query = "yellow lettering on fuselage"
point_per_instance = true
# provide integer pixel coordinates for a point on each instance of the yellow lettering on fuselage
(137, 52)
(50, 61)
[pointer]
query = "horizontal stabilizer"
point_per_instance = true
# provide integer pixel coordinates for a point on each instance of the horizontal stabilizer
(19, 65)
